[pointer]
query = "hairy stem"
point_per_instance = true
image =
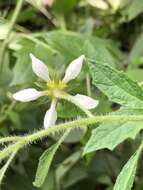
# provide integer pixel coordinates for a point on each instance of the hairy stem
(9, 139)
(69, 125)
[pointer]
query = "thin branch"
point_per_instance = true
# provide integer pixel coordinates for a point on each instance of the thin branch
(9, 139)
(88, 86)
(11, 25)
(5, 167)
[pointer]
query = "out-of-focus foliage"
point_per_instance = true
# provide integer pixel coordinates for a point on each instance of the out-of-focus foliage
(110, 35)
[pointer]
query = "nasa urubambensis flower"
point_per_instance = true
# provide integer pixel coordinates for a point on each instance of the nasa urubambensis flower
(55, 89)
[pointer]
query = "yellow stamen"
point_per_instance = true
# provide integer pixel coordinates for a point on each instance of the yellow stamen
(54, 86)
(58, 85)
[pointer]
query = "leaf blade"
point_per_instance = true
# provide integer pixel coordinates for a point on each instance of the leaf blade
(109, 135)
(45, 162)
(116, 85)
(126, 177)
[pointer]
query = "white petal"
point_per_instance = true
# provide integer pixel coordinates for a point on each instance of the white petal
(27, 95)
(50, 116)
(39, 68)
(73, 69)
(86, 101)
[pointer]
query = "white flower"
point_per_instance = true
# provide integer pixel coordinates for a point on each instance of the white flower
(41, 70)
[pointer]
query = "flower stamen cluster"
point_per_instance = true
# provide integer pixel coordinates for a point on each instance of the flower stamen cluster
(54, 87)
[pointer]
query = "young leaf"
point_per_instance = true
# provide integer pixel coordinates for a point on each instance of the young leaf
(116, 85)
(5, 167)
(45, 162)
(109, 135)
(126, 177)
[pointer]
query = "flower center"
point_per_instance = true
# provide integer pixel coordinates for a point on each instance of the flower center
(55, 86)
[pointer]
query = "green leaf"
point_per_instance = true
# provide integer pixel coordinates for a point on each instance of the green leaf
(109, 135)
(92, 47)
(66, 40)
(44, 165)
(116, 85)
(22, 70)
(45, 162)
(49, 183)
(133, 9)
(126, 177)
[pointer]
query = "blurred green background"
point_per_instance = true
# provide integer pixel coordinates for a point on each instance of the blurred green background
(57, 32)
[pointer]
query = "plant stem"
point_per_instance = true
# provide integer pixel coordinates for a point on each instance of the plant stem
(9, 139)
(62, 22)
(73, 124)
(83, 123)
(12, 23)
(88, 85)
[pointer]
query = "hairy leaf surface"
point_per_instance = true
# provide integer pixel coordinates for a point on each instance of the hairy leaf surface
(116, 85)
(45, 162)
(109, 135)
(126, 177)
